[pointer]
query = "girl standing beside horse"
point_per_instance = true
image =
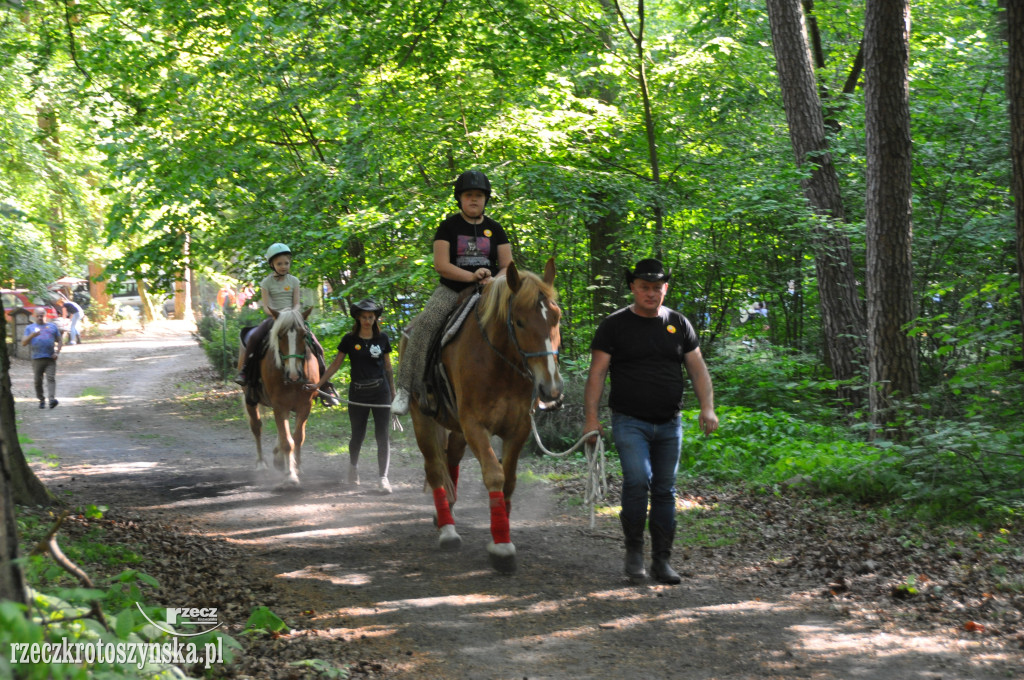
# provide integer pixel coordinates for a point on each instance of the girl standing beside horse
(372, 386)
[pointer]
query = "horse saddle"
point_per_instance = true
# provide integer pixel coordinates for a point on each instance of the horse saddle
(253, 381)
(438, 396)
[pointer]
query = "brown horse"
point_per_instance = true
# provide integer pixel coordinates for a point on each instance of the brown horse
(503, 359)
(285, 371)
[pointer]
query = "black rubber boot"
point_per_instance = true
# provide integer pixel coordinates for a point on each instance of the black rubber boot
(661, 552)
(634, 540)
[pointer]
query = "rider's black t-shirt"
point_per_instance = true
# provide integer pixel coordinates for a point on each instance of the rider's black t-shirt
(646, 362)
(470, 246)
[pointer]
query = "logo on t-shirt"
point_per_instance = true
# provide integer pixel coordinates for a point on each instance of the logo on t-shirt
(473, 251)
(375, 351)
(670, 328)
(358, 347)
(487, 233)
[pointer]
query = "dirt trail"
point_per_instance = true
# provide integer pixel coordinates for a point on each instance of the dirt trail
(368, 567)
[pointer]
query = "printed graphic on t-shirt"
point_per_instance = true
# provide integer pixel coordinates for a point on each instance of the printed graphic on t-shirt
(375, 351)
(473, 252)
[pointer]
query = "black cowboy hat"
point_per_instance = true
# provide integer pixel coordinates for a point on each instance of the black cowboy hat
(649, 270)
(365, 305)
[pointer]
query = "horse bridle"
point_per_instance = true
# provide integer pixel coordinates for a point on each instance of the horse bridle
(528, 374)
(285, 357)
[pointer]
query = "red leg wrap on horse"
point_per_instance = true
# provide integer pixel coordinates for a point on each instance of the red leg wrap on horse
(499, 518)
(444, 511)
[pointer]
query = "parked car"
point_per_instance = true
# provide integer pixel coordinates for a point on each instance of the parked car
(16, 298)
(128, 295)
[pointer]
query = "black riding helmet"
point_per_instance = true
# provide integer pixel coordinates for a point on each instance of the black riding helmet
(365, 305)
(472, 179)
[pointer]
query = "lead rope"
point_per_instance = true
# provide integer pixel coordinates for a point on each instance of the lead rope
(596, 482)
(396, 424)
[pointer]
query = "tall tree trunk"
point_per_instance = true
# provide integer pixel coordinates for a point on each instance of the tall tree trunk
(46, 120)
(650, 129)
(1015, 93)
(892, 352)
(605, 261)
(12, 583)
(604, 230)
(146, 304)
(842, 314)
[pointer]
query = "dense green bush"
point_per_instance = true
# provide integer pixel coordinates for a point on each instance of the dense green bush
(218, 336)
(761, 376)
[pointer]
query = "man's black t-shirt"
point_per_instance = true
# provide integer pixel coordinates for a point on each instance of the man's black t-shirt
(367, 356)
(470, 246)
(646, 362)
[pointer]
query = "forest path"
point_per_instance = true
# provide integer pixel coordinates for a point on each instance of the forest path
(366, 570)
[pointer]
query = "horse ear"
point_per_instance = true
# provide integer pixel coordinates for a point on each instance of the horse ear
(549, 271)
(273, 313)
(305, 314)
(512, 277)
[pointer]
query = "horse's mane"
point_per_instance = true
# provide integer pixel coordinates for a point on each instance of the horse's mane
(287, 318)
(494, 302)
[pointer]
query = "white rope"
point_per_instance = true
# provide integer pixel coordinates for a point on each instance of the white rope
(596, 483)
(396, 424)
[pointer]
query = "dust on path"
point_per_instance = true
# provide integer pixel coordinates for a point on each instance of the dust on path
(368, 567)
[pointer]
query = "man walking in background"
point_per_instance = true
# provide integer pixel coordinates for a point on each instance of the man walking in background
(46, 345)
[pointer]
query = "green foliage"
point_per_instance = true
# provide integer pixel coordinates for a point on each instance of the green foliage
(770, 447)
(322, 668)
(219, 337)
(752, 373)
(263, 620)
(110, 614)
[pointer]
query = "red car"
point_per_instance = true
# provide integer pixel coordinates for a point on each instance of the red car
(14, 299)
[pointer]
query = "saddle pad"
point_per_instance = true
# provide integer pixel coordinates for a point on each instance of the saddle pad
(458, 317)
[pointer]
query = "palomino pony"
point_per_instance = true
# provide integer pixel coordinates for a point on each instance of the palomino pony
(285, 371)
(501, 361)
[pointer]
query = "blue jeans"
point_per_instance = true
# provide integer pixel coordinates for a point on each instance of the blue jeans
(649, 454)
(73, 335)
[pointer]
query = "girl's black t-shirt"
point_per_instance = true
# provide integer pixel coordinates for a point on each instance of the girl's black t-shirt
(367, 356)
(646, 366)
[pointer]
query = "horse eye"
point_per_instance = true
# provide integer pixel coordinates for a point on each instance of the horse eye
(520, 324)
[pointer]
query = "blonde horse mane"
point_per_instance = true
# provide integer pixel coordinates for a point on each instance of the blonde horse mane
(287, 318)
(494, 303)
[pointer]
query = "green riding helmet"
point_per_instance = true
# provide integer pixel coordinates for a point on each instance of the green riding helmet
(275, 250)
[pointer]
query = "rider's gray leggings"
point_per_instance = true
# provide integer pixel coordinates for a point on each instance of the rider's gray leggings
(413, 361)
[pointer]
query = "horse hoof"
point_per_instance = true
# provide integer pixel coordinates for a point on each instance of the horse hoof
(449, 540)
(503, 557)
(262, 465)
(288, 485)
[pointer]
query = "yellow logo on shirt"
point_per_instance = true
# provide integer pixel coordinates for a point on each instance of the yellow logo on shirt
(671, 329)
(287, 287)
(487, 233)
(358, 347)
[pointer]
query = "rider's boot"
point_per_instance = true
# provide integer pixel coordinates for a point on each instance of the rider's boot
(400, 406)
